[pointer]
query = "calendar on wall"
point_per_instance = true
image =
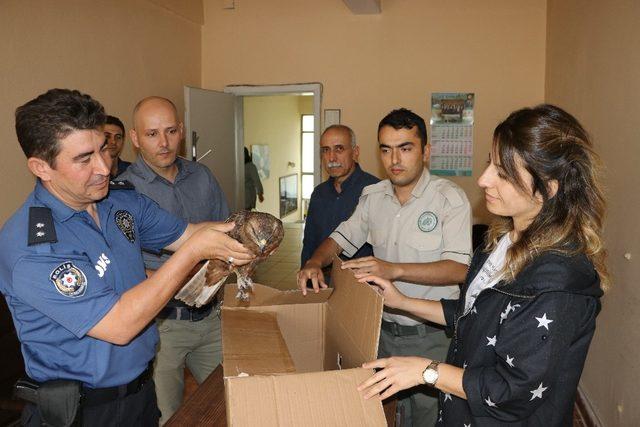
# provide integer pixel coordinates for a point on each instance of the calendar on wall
(451, 134)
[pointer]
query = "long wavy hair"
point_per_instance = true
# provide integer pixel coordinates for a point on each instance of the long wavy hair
(552, 145)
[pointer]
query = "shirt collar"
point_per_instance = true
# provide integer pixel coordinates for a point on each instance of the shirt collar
(59, 209)
(144, 170)
(421, 185)
(418, 189)
(185, 168)
(347, 182)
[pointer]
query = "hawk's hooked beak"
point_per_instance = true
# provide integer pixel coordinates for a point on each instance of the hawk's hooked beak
(262, 243)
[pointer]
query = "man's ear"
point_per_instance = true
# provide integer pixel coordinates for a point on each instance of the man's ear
(427, 153)
(134, 138)
(356, 152)
(39, 168)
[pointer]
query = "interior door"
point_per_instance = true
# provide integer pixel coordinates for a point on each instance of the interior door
(210, 127)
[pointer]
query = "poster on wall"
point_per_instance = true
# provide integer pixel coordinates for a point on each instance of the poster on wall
(260, 158)
(288, 194)
(451, 134)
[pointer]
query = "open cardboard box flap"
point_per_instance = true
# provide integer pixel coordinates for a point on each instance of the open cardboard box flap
(302, 354)
(262, 295)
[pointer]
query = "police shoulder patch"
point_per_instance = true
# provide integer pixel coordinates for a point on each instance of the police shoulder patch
(124, 221)
(69, 280)
(427, 221)
(121, 185)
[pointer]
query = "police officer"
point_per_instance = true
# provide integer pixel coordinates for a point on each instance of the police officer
(420, 228)
(74, 278)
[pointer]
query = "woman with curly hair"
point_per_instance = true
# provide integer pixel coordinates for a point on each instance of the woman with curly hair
(527, 311)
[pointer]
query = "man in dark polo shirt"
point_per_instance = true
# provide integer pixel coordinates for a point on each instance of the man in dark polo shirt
(114, 131)
(188, 190)
(334, 200)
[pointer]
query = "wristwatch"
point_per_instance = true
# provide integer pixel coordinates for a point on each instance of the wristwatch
(430, 374)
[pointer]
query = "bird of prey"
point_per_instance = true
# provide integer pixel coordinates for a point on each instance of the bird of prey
(261, 233)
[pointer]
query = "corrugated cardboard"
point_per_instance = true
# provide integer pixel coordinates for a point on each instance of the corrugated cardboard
(291, 360)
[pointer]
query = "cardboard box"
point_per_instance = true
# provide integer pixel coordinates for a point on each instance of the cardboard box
(291, 360)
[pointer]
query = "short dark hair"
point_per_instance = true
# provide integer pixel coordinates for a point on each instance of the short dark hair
(405, 119)
(113, 120)
(42, 122)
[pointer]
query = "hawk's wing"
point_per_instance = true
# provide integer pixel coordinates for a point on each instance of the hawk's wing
(204, 284)
(260, 232)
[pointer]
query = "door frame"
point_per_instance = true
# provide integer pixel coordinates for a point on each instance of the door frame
(266, 90)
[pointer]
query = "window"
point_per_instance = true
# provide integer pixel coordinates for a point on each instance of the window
(308, 167)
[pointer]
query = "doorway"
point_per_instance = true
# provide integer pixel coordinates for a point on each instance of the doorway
(281, 128)
(279, 125)
(278, 133)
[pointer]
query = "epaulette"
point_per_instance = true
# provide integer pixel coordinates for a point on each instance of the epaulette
(41, 228)
(451, 192)
(121, 185)
(378, 187)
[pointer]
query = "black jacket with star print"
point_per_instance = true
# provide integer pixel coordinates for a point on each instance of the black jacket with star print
(523, 344)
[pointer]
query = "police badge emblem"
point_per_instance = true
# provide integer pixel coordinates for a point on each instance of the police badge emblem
(124, 221)
(69, 280)
(427, 221)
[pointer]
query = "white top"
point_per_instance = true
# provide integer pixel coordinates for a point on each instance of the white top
(489, 275)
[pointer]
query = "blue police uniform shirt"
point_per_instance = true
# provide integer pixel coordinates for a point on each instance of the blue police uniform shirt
(328, 208)
(58, 291)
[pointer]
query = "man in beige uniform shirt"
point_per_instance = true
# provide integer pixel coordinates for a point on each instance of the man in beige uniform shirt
(420, 228)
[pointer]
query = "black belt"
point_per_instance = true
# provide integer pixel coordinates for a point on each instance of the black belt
(191, 314)
(406, 330)
(99, 396)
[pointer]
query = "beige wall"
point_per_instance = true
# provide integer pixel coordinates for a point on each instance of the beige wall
(593, 64)
(275, 121)
(371, 64)
(117, 51)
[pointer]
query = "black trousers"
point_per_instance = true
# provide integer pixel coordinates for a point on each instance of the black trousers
(138, 409)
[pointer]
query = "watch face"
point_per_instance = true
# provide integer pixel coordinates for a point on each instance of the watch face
(430, 376)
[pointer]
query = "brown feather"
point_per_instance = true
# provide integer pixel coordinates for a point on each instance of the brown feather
(259, 232)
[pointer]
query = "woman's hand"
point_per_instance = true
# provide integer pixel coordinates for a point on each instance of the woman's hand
(372, 266)
(392, 296)
(395, 374)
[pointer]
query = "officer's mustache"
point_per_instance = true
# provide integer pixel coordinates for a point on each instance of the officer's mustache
(98, 179)
(331, 165)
